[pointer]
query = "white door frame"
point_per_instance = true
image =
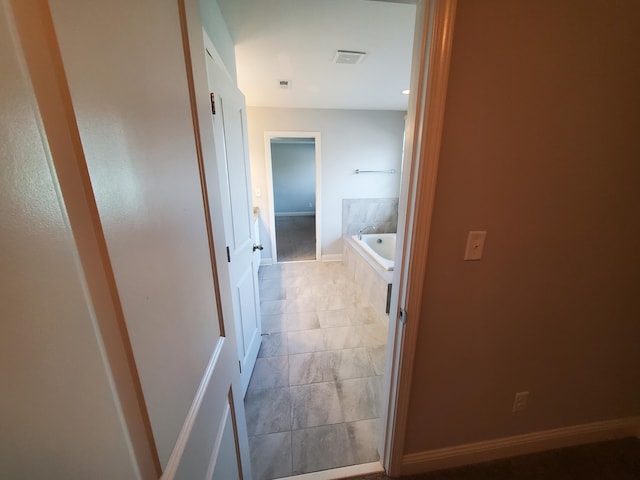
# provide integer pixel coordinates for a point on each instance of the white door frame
(429, 77)
(430, 67)
(268, 136)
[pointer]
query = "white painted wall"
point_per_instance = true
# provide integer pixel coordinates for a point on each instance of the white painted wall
(294, 177)
(59, 414)
(214, 23)
(129, 91)
(351, 139)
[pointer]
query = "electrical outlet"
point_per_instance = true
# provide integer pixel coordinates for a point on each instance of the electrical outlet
(475, 245)
(520, 401)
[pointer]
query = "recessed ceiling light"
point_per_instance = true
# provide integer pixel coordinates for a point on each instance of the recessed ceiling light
(405, 92)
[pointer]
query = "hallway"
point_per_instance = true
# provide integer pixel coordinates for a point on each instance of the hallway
(313, 400)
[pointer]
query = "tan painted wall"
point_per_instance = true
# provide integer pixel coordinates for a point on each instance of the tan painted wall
(541, 148)
(60, 414)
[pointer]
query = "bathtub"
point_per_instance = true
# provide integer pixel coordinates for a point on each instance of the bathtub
(379, 246)
(370, 270)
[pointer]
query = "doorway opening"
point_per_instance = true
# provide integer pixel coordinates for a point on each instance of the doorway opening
(313, 317)
(320, 369)
(293, 170)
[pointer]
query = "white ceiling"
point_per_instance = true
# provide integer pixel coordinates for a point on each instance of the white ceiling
(296, 40)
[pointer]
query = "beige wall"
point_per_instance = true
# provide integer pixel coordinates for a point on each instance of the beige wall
(350, 139)
(60, 413)
(107, 297)
(540, 148)
(129, 90)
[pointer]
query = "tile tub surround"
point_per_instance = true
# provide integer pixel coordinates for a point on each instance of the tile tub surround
(372, 279)
(382, 213)
(313, 400)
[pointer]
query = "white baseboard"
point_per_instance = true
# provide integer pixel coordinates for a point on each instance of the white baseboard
(266, 261)
(518, 445)
(332, 257)
(295, 214)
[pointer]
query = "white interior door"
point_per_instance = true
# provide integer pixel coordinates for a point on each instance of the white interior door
(229, 125)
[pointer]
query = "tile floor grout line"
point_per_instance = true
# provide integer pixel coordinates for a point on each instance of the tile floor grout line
(368, 419)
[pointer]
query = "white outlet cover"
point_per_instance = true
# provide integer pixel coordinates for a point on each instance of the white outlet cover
(475, 245)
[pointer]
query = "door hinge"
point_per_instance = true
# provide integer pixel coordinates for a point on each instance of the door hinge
(228, 255)
(213, 103)
(403, 316)
(240, 366)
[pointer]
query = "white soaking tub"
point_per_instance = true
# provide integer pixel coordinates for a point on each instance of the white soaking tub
(379, 246)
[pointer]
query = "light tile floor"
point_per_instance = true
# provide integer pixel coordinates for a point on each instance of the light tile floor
(313, 400)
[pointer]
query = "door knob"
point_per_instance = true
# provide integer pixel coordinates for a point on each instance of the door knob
(257, 247)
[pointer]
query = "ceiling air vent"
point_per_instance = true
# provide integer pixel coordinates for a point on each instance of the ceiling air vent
(347, 57)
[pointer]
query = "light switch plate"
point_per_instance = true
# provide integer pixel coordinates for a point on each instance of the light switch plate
(475, 245)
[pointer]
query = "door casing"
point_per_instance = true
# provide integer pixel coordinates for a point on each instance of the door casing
(268, 136)
(425, 117)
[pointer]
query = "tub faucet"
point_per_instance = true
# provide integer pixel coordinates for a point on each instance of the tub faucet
(364, 229)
